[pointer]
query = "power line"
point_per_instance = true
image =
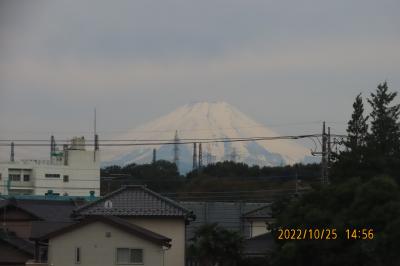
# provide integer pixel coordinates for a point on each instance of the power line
(169, 142)
(183, 129)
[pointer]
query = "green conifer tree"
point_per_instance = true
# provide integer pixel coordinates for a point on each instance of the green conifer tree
(357, 130)
(351, 162)
(384, 139)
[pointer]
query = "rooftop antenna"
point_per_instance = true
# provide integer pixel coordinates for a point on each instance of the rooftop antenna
(12, 152)
(52, 147)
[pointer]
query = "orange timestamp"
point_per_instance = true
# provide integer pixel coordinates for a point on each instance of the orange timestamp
(364, 233)
(324, 234)
(307, 234)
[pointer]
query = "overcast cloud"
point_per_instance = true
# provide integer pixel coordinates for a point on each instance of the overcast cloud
(283, 63)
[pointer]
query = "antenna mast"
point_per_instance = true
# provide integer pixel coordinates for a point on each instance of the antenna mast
(12, 152)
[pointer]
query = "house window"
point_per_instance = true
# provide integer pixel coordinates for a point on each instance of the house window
(129, 256)
(0, 176)
(65, 178)
(78, 255)
(26, 178)
(52, 175)
(15, 177)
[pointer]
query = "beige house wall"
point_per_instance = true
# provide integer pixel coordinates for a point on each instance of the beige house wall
(258, 228)
(173, 228)
(97, 249)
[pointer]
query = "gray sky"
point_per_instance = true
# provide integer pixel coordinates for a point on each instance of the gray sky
(283, 63)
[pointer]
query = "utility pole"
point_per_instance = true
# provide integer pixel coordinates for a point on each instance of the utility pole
(96, 137)
(328, 164)
(323, 158)
(194, 156)
(326, 155)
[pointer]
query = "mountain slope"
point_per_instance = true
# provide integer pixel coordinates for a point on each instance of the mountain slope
(210, 120)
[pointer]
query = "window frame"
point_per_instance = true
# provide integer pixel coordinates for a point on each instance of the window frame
(129, 263)
(76, 251)
(52, 175)
(12, 176)
(24, 178)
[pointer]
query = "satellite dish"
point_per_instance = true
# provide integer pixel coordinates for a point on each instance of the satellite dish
(108, 204)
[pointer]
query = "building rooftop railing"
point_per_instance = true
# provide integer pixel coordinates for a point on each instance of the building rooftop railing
(36, 162)
(54, 197)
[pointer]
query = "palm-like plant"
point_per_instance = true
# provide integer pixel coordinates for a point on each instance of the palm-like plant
(213, 245)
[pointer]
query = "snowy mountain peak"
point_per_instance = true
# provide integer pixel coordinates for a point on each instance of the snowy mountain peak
(210, 120)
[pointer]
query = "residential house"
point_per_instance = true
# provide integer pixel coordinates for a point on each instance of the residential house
(128, 226)
(18, 219)
(251, 219)
(106, 240)
(259, 220)
(14, 250)
(230, 215)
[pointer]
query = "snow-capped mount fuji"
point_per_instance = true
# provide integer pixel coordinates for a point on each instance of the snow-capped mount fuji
(209, 120)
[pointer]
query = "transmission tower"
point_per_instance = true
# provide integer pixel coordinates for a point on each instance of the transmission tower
(194, 156)
(200, 156)
(176, 148)
(233, 155)
(208, 154)
(154, 156)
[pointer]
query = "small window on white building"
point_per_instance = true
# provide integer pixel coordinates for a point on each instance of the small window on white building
(52, 175)
(15, 177)
(27, 178)
(0, 176)
(78, 255)
(129, 256)
(66, 178)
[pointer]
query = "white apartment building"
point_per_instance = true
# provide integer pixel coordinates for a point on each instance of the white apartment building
(73, 172)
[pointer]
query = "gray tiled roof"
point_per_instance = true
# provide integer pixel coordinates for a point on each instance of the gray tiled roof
(113, 221)
(227, 214)
(17, 242)
(47, 210)
(41, 228)
(259, 245)
(134, 201)
(263, 212)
